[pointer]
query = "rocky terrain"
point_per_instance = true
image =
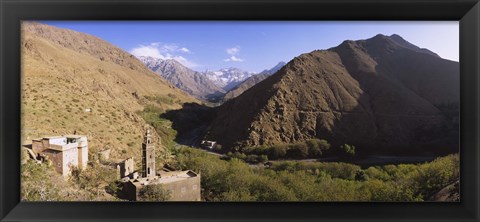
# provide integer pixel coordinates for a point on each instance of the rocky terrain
(77, 83)
(449, 193)
(382, 94)
(192, 82)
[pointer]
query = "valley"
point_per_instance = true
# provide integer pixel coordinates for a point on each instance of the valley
(375, 119)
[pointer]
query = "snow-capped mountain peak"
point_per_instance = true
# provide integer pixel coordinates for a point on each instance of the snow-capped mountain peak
(228, 78)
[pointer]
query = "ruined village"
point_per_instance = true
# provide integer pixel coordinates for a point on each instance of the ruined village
(70, 152)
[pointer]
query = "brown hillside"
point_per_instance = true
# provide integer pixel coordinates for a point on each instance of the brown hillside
(64, 73)
(373, 93)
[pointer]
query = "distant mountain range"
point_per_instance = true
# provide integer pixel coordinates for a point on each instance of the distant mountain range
(206, 85)
(228, 78)
(382, 94)
(194, 83)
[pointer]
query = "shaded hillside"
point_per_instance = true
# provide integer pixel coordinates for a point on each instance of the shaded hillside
(77, 83)
(376, 93)
(399, 40)
(192, 82)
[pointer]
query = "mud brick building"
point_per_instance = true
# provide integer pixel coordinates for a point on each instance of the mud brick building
(182, 185)
(65, 152)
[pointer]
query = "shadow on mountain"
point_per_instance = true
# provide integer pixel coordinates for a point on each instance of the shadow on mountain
(381, 97)
(190, 122)
(419, 113)
(394, 135)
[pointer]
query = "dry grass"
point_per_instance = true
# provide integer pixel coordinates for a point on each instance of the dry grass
(60, 83)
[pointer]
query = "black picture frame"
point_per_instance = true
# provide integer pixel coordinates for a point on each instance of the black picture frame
(12, 12)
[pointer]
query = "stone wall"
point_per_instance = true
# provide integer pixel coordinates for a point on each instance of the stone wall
(130, 191)
(126, 167)
(37, 146)
(57, 159)
(184, 190)
(70, 159)
(82, 157)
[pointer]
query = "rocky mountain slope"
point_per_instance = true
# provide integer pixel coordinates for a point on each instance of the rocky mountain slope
(77, 83)
(251, 81)
(381, 94)
(192, 82)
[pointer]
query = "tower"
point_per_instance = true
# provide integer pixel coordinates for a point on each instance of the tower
(148, 155)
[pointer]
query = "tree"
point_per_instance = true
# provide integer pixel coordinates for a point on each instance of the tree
(94, 178)
(278, 151)
(347, 150)
(316, 147)
(153, 192)
(37, 182)
(252, 158)
(262, 158)
(360, 175)
(298, 150)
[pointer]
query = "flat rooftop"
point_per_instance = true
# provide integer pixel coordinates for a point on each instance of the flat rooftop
(164, 178)
(53, 137)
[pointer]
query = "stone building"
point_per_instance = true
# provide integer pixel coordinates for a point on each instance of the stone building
(182, 185)
(148, 155)
(65, 152)
(126, 168)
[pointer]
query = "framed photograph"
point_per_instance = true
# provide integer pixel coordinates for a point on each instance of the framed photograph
(239, 110)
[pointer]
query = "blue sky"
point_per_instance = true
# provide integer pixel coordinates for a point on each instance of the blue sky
(254, 46)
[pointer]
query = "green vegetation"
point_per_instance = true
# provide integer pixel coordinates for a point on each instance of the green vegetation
(251, 158)
(36, 185)
(347, 151)
(170, 99)
(95, 179)
(153, 193)
(234, 180)
(40, 182)
(151, 115)
(313, 148)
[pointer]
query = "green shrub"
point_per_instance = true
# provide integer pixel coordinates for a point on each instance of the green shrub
(153, 192)
(234, 180)
(360, 175)
(298, 151)
(316, 147)
(277, 151)
(252, 158)
(36, 184)
(262, 158)
(347, 151)
(161, 99)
